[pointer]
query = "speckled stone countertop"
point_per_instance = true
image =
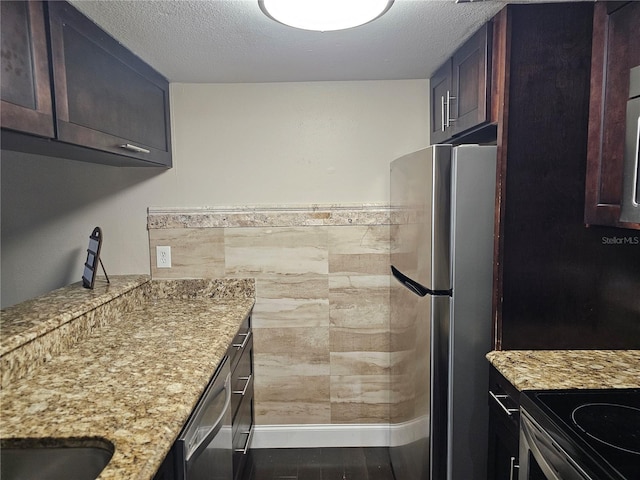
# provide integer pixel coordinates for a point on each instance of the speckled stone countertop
(133, 381)
(568, 369)
(28, 320)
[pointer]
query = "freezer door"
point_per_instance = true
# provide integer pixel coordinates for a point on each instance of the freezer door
(421, 216)
(420, 239)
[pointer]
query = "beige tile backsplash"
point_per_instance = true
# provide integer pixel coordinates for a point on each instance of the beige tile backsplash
(195, 252)
(321, 318)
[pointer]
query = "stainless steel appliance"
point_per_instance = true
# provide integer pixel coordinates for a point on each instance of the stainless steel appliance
(203, 451)
(630, 211)
(442, 201)
(580, 435)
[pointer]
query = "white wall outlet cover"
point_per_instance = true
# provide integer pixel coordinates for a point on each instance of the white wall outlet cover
(163, 257)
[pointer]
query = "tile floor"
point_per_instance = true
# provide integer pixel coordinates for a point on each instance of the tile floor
(319, 464)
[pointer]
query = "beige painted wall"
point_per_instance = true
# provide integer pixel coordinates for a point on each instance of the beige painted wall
(234, 144)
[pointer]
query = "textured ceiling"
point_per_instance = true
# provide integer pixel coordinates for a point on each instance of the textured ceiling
(227, 41)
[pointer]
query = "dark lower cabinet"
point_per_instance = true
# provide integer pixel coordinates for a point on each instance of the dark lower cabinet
(26, 85)
(504, 426)
(167, 469)
(242, 406)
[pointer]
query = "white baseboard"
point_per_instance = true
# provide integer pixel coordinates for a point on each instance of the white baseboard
(342, 435)
(308, 436)
(408, 432)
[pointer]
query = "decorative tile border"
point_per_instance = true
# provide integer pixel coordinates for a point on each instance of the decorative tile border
(268, 216)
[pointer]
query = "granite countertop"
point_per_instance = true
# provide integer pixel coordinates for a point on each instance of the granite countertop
(568, 369)
(132, 382)
(31, 319)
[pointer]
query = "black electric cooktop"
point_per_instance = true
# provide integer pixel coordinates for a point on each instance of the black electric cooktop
(599, 429)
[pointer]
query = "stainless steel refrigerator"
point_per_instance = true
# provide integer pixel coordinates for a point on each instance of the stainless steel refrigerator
(442, 203)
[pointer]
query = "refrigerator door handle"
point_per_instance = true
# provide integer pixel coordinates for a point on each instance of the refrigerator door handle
(416, 287)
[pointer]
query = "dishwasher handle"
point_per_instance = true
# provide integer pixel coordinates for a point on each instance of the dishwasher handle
(193, 450)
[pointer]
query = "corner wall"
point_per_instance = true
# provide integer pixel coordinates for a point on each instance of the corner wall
(234, 144)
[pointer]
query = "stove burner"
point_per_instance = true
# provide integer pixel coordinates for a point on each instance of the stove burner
(615, 425)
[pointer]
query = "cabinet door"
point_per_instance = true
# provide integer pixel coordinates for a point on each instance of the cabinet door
(470, 83)
(242, 428)
(504, 428)
(616, 48)
(26, 87)
(461, 89)
(440, 86)
(167, 469)
(106, 98)
(503, 452)
(242, 404)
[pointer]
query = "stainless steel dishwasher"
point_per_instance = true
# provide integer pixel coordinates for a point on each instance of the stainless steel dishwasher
(203, 451)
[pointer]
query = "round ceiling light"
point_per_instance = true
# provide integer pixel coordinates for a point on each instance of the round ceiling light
(324, 15)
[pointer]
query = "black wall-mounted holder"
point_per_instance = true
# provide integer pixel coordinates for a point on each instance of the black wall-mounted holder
(93, 257)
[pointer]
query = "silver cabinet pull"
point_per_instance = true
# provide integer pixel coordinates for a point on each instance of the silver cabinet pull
(240, 346)
(442, 112)
(507, 410)
(449, 119)
(243, 392)
(134, 148)
(249, 435)
(512, 469)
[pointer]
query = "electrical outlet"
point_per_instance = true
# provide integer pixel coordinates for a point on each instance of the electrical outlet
(163, 257)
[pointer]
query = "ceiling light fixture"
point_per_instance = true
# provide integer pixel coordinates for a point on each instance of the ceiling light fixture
(324, 15)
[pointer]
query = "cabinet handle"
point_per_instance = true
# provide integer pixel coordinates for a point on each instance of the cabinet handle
(512, 468)
(507, 410)
(249, 435)
(442, 114)
(449, 119)
(246, 385)
(240, 346)
(134, 148)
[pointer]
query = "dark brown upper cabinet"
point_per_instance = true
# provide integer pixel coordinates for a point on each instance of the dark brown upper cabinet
(616, 48)
(109, 106)
(440, 98)
(26, 86)
(460, 90)
(557, 284)
(107, 99)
